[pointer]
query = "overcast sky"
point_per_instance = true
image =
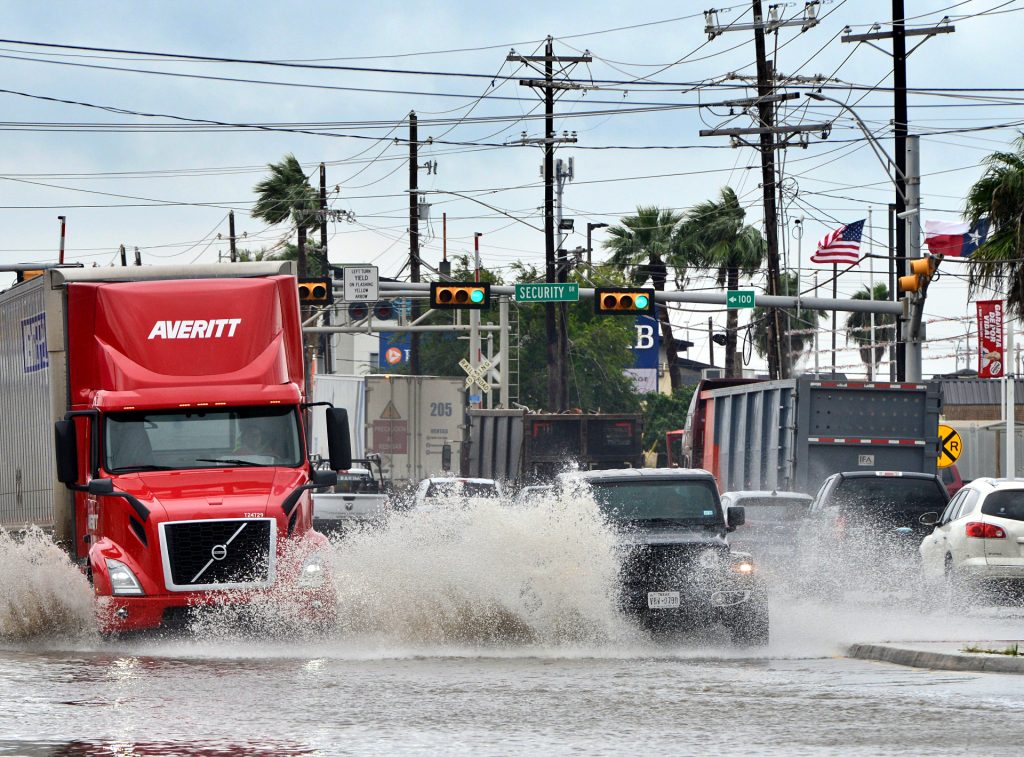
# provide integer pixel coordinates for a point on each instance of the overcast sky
(165, 185)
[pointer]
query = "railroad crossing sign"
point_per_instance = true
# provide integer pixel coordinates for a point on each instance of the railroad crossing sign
(476, 375)
(950, 446)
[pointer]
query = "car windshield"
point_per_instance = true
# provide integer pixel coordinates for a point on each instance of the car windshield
(659, 501)
(772, 509)
(1005, 504)
(181, 439)
(890, 496)
(461, 489)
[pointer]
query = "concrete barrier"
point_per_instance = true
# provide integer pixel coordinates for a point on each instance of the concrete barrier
(979, 662)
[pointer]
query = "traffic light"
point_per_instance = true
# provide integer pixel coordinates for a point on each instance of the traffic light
(315, 291)
(921, 272)
(623, 301)
(460, 295)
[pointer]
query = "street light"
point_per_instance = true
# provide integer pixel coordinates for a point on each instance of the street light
(590, 228)
(877, 148)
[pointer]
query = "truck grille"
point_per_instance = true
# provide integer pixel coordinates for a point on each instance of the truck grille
(218, 554)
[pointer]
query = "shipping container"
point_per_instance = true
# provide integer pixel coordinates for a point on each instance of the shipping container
(407, 420)
(524, 448)
(790, 435)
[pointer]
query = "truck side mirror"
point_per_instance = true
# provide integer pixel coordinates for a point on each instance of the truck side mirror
(100, 486)
(736, 516)
(322, 478)
(339, 440)
(66, 448)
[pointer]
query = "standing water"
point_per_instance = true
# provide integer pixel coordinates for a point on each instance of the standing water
(475, 628)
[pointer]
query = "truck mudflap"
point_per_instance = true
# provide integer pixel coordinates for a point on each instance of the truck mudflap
(301, 596)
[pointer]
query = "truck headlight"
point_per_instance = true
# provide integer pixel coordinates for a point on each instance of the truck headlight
(743, 567)
(312, 573)
(123, 582)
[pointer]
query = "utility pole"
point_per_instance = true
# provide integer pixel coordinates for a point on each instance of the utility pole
(414, 239)
(899, 54)
(557, 359)
(325, 344)
(231, 236)
(766, 131)
(63, 232)
(563, 173)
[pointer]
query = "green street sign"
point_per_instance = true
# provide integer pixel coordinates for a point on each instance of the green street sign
(739, 298)
(547, 292)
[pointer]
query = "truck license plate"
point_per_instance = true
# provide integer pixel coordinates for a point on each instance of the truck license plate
(660, 600)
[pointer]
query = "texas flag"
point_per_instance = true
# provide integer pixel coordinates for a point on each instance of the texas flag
(954, 239)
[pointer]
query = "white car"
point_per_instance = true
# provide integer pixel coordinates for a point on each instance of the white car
(436, 491)
(980, 534)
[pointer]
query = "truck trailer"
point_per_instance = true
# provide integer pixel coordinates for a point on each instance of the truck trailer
(791, 435)
(171, 400)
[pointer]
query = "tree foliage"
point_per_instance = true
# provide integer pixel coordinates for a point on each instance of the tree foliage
(663, 413)
(795, 345)
(999, 194)
(858, 328)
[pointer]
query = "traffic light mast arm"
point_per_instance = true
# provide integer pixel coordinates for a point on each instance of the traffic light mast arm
(407, 289)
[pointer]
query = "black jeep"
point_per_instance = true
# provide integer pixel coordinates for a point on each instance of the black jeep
(677, 570)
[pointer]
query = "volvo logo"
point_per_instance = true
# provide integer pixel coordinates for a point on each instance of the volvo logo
(219, 552)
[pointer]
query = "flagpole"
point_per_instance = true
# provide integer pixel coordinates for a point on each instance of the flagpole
(817, 367)
(871, 295)
(835, 296)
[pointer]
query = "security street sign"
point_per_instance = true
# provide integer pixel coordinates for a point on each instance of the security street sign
(361, 283)
(739, 298)
(950, 446)
(476, 375)
(547, 292)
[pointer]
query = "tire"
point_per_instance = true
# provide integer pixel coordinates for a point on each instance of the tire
(749, 627)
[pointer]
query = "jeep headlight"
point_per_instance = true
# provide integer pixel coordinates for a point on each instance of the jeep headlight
(312, 573)
(743, 566)
(123, 582)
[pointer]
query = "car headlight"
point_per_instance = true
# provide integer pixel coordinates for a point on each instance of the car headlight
(744, 567)
(312, 573)
(123, 582)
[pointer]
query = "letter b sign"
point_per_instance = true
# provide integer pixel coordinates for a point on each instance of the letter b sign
(644, 336)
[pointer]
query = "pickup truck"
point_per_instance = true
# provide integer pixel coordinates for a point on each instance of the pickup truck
(677, 571)
(358, 498)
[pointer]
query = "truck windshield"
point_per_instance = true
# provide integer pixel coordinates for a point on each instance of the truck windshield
(179, 439)
(662, 501)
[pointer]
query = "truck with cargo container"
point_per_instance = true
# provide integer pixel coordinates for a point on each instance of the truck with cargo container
(792, 434)
(172, 401)
(521, 448)
(406, 422)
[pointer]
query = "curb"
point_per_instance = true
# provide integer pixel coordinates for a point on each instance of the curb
(915, 658)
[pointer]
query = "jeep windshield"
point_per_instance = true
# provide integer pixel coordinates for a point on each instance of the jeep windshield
(222, 438)
(659, 503)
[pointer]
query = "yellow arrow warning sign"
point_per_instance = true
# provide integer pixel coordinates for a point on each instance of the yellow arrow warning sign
(950, 446)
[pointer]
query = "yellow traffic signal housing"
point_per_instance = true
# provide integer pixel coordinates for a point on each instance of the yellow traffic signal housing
(460, 295)
(921, 272)
(315, 291)
(623, 301)
(21, 276)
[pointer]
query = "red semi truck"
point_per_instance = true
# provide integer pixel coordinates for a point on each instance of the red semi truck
(172, 401)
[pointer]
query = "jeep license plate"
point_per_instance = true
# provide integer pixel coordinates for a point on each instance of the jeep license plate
(660, 600)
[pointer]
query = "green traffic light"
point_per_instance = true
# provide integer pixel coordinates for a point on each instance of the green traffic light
(477, 296)
(641, 301)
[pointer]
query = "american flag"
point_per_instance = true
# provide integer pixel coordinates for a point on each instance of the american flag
(841, 245)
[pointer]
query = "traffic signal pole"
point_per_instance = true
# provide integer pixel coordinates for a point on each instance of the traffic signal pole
(914, 337)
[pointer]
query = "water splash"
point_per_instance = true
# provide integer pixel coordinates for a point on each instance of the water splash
(42, 592)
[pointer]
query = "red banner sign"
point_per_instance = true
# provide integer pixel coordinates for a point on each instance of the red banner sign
(990, 339)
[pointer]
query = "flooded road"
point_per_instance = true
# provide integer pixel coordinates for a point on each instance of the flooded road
(488, 633)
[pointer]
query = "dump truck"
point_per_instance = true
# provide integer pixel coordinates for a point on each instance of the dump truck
(521, 448)
(792, 434)
(153, 418)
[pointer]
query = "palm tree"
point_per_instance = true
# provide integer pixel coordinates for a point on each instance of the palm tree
(858, 327)
(715, 237)
(644, 247)
(286, 194)
(796, 344)
(999, 194)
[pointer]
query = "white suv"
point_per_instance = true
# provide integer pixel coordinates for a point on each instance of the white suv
(980, 534)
